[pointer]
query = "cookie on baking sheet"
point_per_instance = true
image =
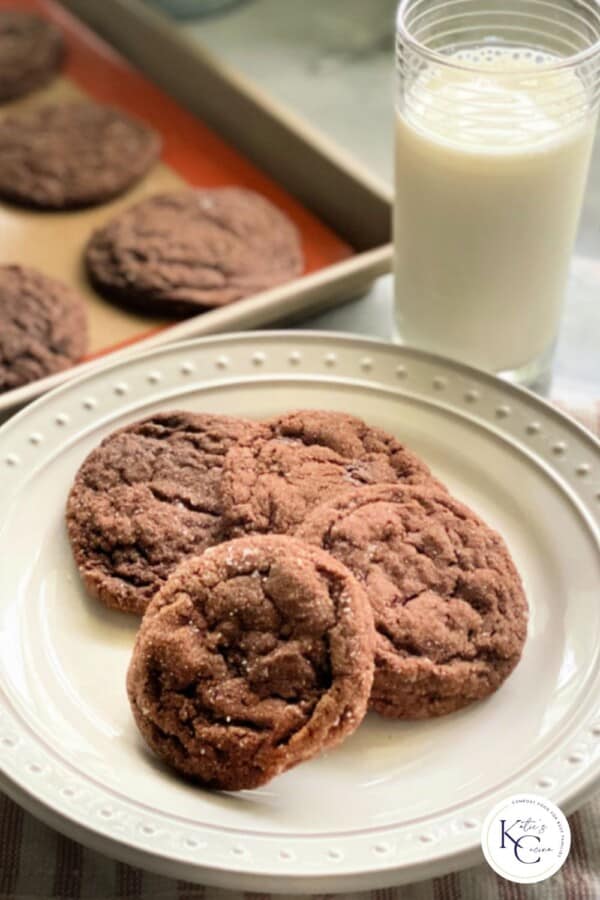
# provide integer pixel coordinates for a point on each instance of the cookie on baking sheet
(147, 497)
(31, 50)
(69, 155)
(252, 658)
(43, 326)
(299, 460)
(449, 607)
(177, 253)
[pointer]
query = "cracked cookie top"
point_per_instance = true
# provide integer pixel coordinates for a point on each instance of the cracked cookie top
(43, 326)
(179, 252)
(147, 497)
(449, 607)
(253, 657)
(299, 460)
(69, 155)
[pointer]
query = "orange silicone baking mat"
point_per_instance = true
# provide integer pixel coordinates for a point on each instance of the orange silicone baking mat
(192, 154)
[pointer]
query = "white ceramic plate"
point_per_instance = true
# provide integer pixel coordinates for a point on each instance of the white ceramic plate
(399, 801)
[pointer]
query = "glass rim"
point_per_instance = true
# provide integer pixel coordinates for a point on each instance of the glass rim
(435, 56)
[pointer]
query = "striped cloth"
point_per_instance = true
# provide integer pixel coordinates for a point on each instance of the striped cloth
(36, 862)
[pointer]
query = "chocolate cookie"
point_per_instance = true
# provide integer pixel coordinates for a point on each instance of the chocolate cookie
(449, 607)
(31, 50)
(177, 253)
(144, 499)
(299, 460)
(252, 658)
(70, 155)
(42, 326)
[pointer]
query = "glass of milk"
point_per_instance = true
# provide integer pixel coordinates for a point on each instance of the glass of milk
(496, 113)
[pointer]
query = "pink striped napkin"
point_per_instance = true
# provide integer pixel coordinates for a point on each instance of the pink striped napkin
(36, 862)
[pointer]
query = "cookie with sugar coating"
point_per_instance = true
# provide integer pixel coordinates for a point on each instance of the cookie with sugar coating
(449, 607)
(300, 459)
(252, 658)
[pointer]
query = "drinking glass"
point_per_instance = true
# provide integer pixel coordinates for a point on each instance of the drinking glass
(496, 110)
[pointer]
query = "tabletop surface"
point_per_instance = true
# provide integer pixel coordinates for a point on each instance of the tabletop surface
(333, 64)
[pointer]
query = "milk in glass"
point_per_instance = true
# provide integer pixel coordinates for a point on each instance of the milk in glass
(491, 164)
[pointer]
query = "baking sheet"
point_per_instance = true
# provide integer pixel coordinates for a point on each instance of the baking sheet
(342, 211)
(192, 155)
